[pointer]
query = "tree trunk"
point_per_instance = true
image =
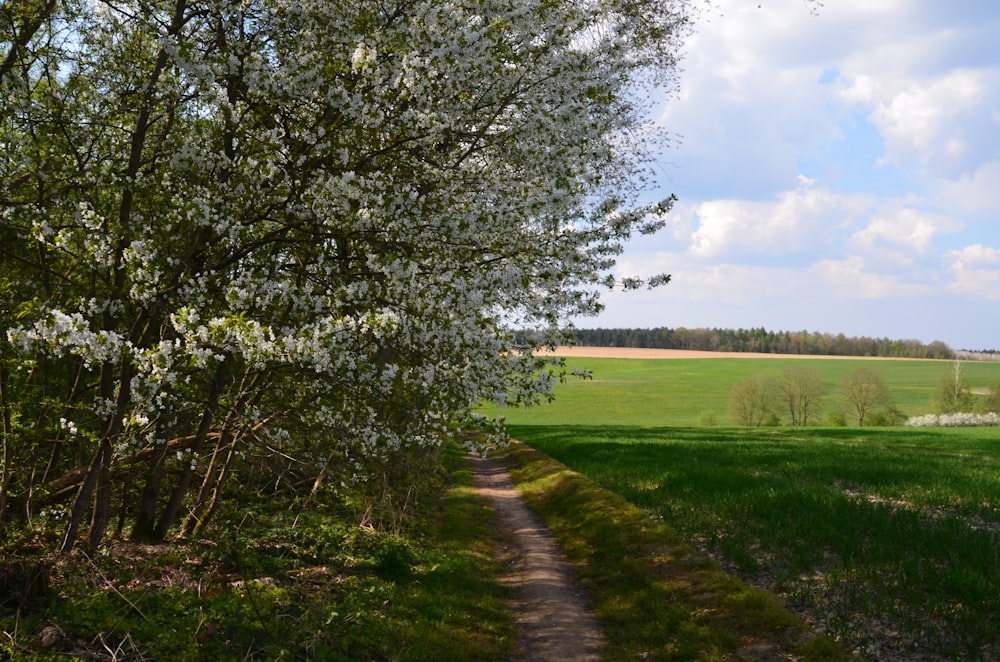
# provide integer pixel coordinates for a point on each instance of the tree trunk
(317, 483)
(145, 521)
(214, 475)
(8, 444)
(184, 483)
(22, 38)
(99, 472)
(83, 496)
(102, 499)
(217, 489)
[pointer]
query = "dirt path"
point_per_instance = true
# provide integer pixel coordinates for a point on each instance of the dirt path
(550, 608)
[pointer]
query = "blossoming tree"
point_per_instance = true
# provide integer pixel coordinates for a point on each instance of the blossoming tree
(299, 229)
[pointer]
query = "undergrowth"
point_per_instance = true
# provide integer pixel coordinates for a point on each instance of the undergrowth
(269, 582)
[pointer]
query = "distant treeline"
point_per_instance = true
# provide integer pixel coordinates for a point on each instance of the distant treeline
(762, 340)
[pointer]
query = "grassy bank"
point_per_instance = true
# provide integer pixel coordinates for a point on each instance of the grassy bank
(889, 539)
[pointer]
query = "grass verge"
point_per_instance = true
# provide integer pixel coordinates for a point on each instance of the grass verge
(656, 598)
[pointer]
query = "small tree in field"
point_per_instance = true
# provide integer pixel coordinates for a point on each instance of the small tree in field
(992, 402)
(752, 401)
(953, 394)
(864, 391)
(801, 390)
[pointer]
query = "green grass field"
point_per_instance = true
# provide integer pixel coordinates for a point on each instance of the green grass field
(655, 596)
(886, 538)
(657, 392)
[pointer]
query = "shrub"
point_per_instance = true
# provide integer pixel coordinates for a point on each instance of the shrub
(394, 560)
(961, 419)
(991, 404)
(801, 390)
(752, 400)
(889, 416)
(953, 394)
(772, 421)
(865, 391)
(837, 419)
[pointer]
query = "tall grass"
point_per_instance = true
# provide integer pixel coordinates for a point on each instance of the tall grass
(887, 539)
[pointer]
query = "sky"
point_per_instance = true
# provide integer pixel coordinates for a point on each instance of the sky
(837, 170)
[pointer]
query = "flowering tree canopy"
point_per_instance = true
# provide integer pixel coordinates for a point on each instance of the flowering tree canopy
(234, 227)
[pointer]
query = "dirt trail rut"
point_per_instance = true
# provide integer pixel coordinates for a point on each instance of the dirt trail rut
(550, 608)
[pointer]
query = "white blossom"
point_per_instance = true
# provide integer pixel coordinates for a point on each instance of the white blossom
(958, 419)
(363, 56)
(332, 220)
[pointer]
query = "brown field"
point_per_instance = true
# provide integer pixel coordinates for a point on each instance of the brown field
(646, 353)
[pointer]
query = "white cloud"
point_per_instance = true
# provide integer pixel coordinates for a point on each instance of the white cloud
(733, 283)
(837, 171)
(917, 75)
(744, 113)
(902, 235)
(976, 272)
(695, 281)
(859, 90)
(802, 220)
(975, 255)
(975, 192)
(931, 123)
(850, 278)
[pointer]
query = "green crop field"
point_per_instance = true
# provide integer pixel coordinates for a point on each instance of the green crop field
(886, 538)
(683, 391)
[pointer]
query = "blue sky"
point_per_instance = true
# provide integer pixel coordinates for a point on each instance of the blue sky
(838, 171)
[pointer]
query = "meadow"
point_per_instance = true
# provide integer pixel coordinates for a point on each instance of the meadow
(669, 392)
(888, 539)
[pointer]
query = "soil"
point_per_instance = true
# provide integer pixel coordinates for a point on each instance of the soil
(550, 608)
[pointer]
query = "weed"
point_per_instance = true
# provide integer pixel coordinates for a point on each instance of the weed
(394, 560)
